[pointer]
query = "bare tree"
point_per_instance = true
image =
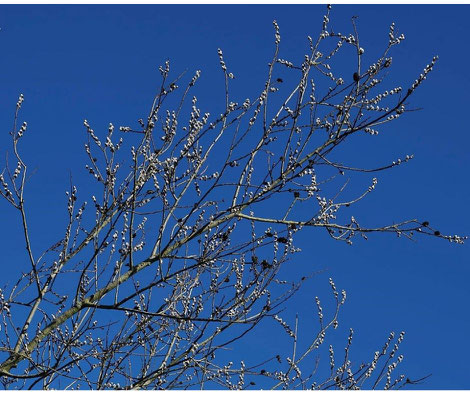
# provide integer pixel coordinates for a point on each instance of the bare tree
(179, 256)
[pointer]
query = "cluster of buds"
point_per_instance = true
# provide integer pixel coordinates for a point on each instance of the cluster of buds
(392, 40)
(221, 58)
(6, 191)
(277, 35)
(425, 72)
(195, 78)
(285, 63)
(20, 101)
(21, 130)
(165, 70)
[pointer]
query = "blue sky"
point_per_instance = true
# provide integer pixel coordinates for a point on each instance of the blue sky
(101, 63)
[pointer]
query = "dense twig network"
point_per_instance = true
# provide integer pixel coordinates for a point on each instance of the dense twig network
(179, 257)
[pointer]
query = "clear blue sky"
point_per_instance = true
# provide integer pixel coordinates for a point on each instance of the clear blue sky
(101, 63)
